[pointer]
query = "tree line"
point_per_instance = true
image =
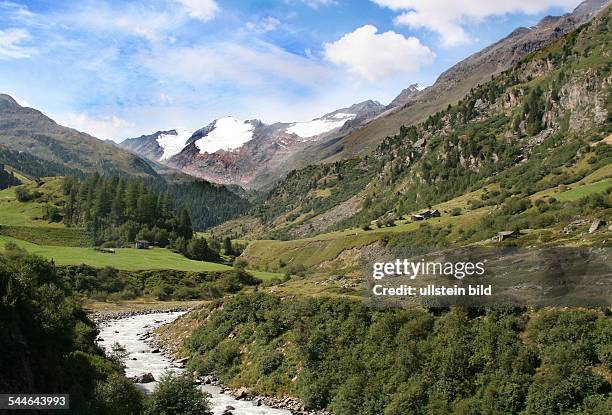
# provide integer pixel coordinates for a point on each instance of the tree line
(118, 211)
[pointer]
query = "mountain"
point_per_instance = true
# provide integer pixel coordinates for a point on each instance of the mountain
(159, 146)
(249, 153)
(511, 149)
(455, 83)
(30, 131)
(406, 96)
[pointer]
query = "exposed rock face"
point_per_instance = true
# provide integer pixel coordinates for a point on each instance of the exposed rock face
(406, 96)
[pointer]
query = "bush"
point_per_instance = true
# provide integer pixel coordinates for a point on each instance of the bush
(178, 395)
(118, 396)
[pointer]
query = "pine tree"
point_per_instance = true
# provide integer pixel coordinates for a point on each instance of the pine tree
(227, 246)
(184, 226)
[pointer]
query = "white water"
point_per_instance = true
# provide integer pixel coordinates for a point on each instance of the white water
(131, 329)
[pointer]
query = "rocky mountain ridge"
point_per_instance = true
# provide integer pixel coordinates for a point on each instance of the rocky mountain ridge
(28, 130)
(233, 151)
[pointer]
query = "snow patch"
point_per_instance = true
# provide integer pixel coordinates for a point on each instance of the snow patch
(172, 144)
(320, 125)
(228, 133)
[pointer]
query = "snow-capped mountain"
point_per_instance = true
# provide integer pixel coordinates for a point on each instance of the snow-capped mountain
(233, 151)
(319, 126)
(159, 146)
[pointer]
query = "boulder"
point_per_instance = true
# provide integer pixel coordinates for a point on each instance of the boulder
(241, 393)
(597, 223)
(144, 378)
(155, 351)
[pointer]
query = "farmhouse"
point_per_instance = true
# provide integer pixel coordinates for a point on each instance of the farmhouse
(141, 244)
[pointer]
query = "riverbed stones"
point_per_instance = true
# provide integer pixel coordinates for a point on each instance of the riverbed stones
(241, 393)
(144, 378)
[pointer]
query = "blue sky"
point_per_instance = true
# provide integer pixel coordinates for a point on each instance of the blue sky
(118, 69)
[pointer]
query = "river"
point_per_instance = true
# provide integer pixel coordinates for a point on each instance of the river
(129, 331)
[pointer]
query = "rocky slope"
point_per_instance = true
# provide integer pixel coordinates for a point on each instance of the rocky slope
(455, 83)
(249, 153)
(28, 130)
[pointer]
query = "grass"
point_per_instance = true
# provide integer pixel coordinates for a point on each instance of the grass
(22, 223)
(15, 213)
(47, 235)
(584, 190)
(124, 258)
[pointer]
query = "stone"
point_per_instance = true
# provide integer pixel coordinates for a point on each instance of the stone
(144, 378)
(596, 225)
(241, 393)
(155, 351)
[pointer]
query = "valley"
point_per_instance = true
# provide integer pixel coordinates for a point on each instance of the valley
(261, 237)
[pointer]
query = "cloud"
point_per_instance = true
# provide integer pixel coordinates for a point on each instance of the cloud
(255, 63)
(203, 10)
(449, 17)
(11, 44)
(153, 23)
(103, 128)
(315, 4)
(372, 55)
(267, 24)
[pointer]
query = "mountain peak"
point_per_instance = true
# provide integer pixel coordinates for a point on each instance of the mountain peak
(406, 95)
(7, 100)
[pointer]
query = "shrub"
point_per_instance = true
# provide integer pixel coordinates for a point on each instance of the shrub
(118, 396)
(178, 395)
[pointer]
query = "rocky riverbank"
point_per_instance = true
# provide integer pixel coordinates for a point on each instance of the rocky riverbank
(286, 402)
(169, 338)
(109, 315)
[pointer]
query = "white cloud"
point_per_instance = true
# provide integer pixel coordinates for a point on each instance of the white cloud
(258, 63)
(267, 24)
(448, 18)
(373, 55)
(139, 20)
(11, 44)
(315, 4)
(103, 128)
(201, 9)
